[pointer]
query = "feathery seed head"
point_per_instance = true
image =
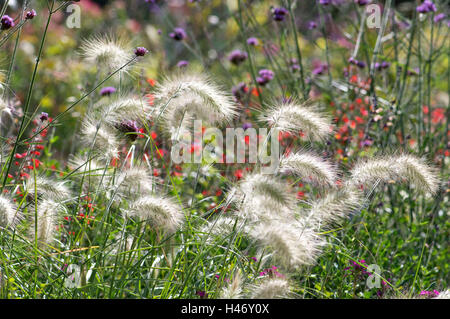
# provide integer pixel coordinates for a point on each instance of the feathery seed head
(47, 221)
(100, 138)
(293, 244)
(161, 212)
(310, 166)
(9, 214)
(398, 169)
(271, 288)
(292, 116)
(195, 94)
(106, 51)
(47, 188)
(234, 289)
(268, 187)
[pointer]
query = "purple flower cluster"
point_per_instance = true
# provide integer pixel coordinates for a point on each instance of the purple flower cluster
(271, 272)
(6, 22)
(359, 64)
(44, 116)
(265, 76)
(178, 34)
(30, 14)
(312, 25)
(129, 127)
(319, 70)
(381, 66)
(279, 13)
(325, 2)
(237, 57)
(426, 6)
(107, 91)
(439, 17)
(252, 41)
(429, 294)
(362, 2)
(140, 51)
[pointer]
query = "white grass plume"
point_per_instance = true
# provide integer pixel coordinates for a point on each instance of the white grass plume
(106, 51)
(47, 221)
(292, 243)
(48, 188)
(100, 137)
(135, 181)
(311, 166)
(396, 169)
(271, 288)
(160, 212)
(9, 214)
(267, 186)
(335, 206)
(196, 94)
(123, 109)
(293, 116)
(234, 289)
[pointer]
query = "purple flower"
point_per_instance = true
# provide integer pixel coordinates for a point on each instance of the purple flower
(44, 116)
(30, 14)
(245, 126)
(237, 57)
(279, 13)
(439, 17)
(182, 63)
(6, 22)
(107, 91)
(362, 2)
(380, 66)
(426, 6)
(429, 294)
(178, 34)
(360, 64)
(325, 2)
(320, 69)
(128, 127)
(264, 77)
(202, 294)
(252, 41)
(312, 25)
(140, 51)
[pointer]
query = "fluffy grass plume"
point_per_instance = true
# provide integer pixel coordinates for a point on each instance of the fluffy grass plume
(160, 212)
(293, 117)
(334, 206)
(234, 289)
(196, 94)
(9, 214)
(292, 243)
(106, 51)
(48, 188)
(100, 138)
(127, 108)
(47, 221)
(396, 168)
(271, 288)
(309, 166)
(266, 186)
